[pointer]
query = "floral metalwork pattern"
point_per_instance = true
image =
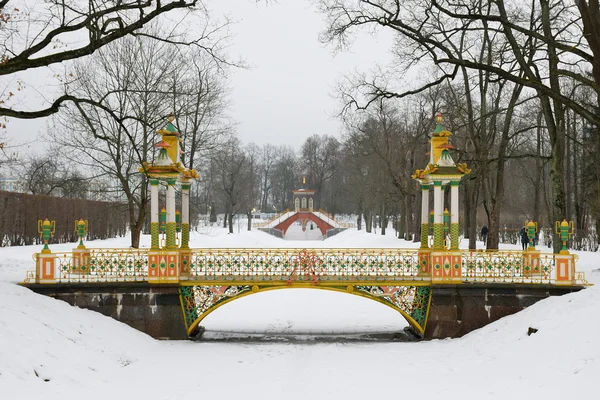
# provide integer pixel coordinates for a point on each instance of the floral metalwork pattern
(412, 300)
(305, 265)
(102, 265)
(507, 267)
(197, 300)
(311, 266)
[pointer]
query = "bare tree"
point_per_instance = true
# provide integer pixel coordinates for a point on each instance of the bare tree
(46, 175)
(286, 176)
(117, 137)
(36, 38)
(199, 95)
(540, 46)
(231, 168)
(267, 164)
(320, 159)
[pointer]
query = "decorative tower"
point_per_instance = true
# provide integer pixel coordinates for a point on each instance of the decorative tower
(440, 171)
(169, 262)
(304, 199)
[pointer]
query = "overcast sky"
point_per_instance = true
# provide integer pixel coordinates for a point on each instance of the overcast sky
(287, 94)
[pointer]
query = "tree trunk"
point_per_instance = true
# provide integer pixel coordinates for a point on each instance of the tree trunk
(466, 197)
(471, 189)
(402, 225)
(538, 171)
(249, 214)
(568, 172)
(369, 221)
(359, 222)
(555, 122)
(408, 217)
(498, 196)
(493, 229)
(383, 218)
(136, 224)
(230, 222)
(557, 181)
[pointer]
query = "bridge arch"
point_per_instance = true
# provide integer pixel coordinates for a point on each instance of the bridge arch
(304, 216)
(412, 302)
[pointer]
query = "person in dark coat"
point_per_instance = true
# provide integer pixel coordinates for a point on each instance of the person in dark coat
(484, 233)
(524, 238)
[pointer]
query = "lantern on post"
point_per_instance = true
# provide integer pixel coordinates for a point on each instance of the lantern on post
(46, 229)
(564, 230)
(531, 228)
(81, 228)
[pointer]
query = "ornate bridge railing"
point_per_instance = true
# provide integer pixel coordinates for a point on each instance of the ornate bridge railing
(305, 265)
(97, 265)
(508, 267)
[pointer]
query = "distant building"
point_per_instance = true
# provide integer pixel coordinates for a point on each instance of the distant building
(10, 185)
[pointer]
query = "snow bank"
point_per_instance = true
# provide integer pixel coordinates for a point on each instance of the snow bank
(51, 350)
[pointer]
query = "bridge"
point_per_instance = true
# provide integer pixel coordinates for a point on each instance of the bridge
(168, 294)
(279, 224)
(168, 289)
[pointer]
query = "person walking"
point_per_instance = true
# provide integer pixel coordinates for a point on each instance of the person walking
(484, 233)
(524, 238)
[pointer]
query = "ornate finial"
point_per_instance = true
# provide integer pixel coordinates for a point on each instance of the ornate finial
(304, 180)
(171, 117)
(439, 117)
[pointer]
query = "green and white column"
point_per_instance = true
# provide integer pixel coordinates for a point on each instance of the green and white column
(424, 215)
(454, 215)
(185, 216)
(171, 225)
(154, 226)
(438, 224)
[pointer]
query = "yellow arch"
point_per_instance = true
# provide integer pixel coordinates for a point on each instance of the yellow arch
(296, 285)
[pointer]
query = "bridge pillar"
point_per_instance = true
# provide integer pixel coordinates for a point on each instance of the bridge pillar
(454, 215)
(185, 215)
(446, 267)
(154, 225)
(438, 225)
(565, 269)
(185, 253)
(81, 260)
(171, 226)
(45, 268)
(531, 262)
(424, 215)
(163, 266)
(424, 262)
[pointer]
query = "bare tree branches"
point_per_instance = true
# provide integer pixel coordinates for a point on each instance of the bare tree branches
(105, 23)
(444, 30)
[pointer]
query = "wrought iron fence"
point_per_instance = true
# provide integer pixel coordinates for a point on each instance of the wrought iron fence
(305, 265)
(507, 267)
(102, 265)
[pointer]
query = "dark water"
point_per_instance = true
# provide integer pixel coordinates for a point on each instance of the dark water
(299, 337)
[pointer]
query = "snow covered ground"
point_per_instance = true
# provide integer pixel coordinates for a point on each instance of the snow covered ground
(51, 350)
